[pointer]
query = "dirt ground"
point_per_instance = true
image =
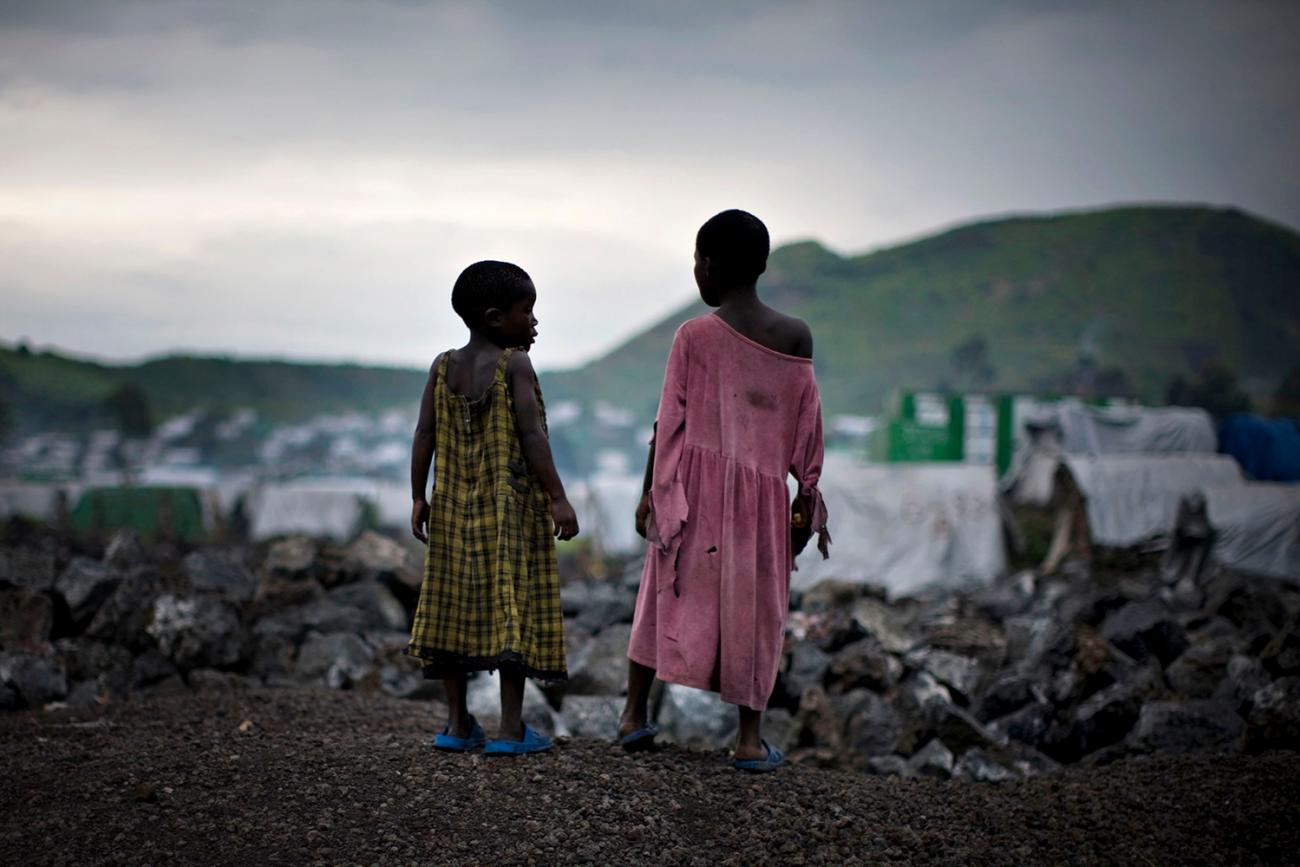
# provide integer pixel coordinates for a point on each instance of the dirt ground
(308, 776)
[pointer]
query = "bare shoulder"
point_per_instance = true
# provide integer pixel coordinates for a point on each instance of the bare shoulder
(797, 334)
(519, 364)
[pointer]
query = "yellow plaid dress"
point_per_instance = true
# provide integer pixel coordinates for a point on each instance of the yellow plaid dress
(491, 591)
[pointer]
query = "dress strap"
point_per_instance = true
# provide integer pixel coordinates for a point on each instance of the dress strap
(503, 361)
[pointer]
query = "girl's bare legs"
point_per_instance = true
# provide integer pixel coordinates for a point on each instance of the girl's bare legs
(512, 704)
(637, 710)
(749, 740)
(459, 722)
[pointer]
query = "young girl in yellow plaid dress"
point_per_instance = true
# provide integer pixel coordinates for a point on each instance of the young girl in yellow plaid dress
(491, 592)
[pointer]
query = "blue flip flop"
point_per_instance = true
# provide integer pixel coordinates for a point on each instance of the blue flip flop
(641, 739)
(764, 765)
(449, 743)
(532, 742)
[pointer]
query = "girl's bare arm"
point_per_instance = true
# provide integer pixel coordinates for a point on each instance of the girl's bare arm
(643, 507)
(422, 456)
(537, 448)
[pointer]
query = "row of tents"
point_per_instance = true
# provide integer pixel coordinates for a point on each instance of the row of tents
(1125, 471)
(336, 508)
(1115, 477)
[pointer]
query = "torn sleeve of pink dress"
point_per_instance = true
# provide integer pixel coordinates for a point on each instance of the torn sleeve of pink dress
(806, 464)
(669, 509)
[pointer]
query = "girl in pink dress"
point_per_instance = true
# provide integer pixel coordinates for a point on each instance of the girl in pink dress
(739, 411)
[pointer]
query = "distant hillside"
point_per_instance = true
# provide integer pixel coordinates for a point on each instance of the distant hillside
(1129, 296)
(50, 391)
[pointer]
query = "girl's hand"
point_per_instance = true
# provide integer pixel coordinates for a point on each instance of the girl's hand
(566, 522)
(800, 521)
(420, 520)
(642, 514)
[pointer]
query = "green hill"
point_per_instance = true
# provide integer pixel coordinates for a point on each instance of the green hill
(1133, 296)
(53, 392)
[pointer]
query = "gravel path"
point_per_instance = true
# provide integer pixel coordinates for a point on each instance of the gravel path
(306, 776)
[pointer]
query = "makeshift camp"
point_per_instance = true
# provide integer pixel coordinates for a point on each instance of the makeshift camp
(31, 501)
(1134, 498)
(306, 508)
(167, 512)
(1119, 501)
(1268, 449)
(389, 504)
(1071, 427)
(907, 526)
(606, 504)
(1256, 528)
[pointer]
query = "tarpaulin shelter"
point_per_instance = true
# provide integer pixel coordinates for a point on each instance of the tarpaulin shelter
(907, 526)
(168, 512)
(1256, 527)
(1072, 427)
(1268, 449)
(35, 502)
(1131, 499)
(303, 508)
(606, 505)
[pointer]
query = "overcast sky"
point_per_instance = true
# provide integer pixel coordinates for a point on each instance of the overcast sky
(305, 178)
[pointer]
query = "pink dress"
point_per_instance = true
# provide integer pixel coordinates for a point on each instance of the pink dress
(734, 419)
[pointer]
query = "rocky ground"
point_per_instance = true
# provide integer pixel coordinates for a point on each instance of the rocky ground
(301, 776)
(1015, 679)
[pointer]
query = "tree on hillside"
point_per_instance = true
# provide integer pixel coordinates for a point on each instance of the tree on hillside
(1214, 389)
(1286, 402)
(1087, 379)
(969, 364)
(127, 407)
(6, 419)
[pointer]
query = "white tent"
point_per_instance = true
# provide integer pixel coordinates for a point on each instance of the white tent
(1121, 430)
(32, 501)
(1133, 498)
(1046, 432)
(306, 508)
(609, 511)
(1257, 527)
(907, 526)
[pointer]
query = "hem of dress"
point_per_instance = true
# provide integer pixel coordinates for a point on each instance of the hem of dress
(682, 680)
(445, 663)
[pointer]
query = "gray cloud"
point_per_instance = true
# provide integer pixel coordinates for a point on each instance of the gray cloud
(286, 177)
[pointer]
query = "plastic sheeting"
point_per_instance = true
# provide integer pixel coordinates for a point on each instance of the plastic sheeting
(1167, 430)
(1134, 498)
(309, 509)
(1071, 427)
(907, 526)
(606, 505)
(1268, 449)
(1257, 528)
(33, 502)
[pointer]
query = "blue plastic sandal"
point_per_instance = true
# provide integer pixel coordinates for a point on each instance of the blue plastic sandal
(641, 739)
(764, 765)
(532, 742)
(449, 743)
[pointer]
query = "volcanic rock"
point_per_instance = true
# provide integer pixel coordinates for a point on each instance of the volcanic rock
(25, 620)
(932, 760)
(1146, 629)
(36, 680)
(219, 572)
(84, 585)
(1274, 721)
(1181, 726)
(196, 631)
